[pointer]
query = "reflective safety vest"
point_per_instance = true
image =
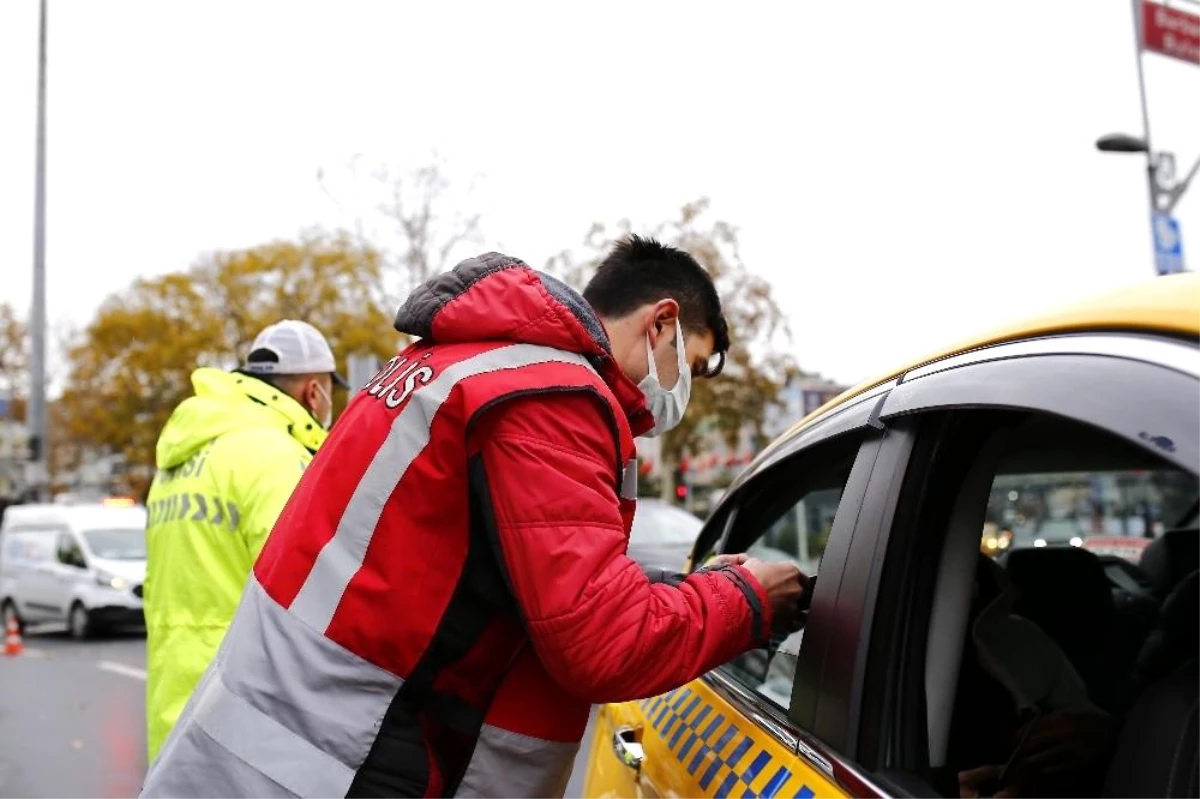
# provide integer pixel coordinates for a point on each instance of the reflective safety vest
(228, 459)
(306, 697)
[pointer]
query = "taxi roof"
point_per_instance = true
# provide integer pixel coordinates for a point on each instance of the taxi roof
(1169, 305)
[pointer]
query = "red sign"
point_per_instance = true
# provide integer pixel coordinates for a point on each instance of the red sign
(1170, 32)
(1128, 548)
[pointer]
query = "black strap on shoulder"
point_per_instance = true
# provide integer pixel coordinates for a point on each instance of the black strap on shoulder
(480, 596)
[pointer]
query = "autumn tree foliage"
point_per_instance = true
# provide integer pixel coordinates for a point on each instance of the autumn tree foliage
(14, 360)
(131, 366)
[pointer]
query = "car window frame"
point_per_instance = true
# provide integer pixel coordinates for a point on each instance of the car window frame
(1005, 377)
(858, 414)
(1005, 380)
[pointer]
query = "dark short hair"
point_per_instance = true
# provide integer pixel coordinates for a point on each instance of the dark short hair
(640, 270)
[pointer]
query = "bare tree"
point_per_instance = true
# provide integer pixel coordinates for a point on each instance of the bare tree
(417, 220)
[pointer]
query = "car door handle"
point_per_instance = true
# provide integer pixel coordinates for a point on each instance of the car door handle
(627, 749)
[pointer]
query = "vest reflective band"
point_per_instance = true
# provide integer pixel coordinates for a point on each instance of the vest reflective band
(298, 694)
(342, 556)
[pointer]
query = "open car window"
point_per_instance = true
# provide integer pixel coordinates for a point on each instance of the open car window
(786, 515)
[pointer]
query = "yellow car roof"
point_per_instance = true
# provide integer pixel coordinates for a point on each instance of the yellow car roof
(1168, 304)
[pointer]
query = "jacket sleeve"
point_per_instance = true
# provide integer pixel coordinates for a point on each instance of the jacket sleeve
(600, 626)
(267, 474)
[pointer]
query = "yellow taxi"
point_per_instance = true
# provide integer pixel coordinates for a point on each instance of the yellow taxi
(943, 508)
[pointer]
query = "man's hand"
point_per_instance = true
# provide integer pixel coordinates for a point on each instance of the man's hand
(982, 781)
(784, 584)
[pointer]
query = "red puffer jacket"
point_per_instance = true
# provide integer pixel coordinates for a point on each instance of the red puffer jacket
(447, 591)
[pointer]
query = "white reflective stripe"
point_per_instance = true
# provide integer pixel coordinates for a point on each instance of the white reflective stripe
(266, 745)
(507, 763)
(629, 482)
(312, 685)
(342, 556)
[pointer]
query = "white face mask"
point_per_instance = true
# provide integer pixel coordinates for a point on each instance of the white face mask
(667, 406)
(327, 421)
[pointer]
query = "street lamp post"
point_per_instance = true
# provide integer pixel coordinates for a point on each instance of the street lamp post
(1164, 190)
(39, 474)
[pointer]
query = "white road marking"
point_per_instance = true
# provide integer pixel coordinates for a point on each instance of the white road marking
(122, 669)
(37, 654)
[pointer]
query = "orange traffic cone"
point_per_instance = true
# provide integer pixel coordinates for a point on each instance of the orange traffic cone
(12, 638)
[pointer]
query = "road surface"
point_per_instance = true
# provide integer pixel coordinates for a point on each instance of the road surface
(72, 718)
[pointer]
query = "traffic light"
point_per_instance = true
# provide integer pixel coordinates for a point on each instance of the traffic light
(681, 486)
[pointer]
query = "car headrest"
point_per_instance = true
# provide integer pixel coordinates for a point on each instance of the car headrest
(1064, 583)
(1170, 558)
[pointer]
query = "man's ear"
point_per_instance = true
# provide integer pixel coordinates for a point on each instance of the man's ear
(666, 311)
(312, 392)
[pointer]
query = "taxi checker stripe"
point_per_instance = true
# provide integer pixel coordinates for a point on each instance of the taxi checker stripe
(342, 556)
(673, 716)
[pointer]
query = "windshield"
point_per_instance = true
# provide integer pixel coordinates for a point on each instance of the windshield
(128, 544)
(656, 523)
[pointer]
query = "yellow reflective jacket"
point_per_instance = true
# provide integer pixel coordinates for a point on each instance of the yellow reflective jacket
(228, 460)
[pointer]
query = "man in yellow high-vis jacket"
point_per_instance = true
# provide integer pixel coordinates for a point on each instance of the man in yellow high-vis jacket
(228, 460)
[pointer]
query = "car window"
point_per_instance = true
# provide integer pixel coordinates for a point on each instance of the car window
(786, 515)
(29, 545)
(69, 552)
(117, 544)
(801, 534)
(1039, 615)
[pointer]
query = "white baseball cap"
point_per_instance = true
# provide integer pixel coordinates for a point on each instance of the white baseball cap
(292, 347)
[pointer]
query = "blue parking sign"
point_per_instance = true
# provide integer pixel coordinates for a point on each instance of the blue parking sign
(1168, 244)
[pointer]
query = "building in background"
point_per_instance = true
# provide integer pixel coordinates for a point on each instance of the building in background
(14, 454)
(77, 470)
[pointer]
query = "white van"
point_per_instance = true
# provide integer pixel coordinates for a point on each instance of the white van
(82, 564)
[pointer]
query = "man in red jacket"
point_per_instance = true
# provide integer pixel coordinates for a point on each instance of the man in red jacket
(447, 590)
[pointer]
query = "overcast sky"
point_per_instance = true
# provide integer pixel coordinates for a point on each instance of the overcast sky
(905, 173)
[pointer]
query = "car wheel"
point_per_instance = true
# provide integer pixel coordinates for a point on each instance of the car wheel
(79, 622)
(10, 612)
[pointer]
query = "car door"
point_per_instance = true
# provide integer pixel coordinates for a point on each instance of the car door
(32, 551)
(1056, 418)
(742, 730)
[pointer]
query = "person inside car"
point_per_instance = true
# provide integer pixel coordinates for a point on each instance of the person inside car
(1031, 729)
